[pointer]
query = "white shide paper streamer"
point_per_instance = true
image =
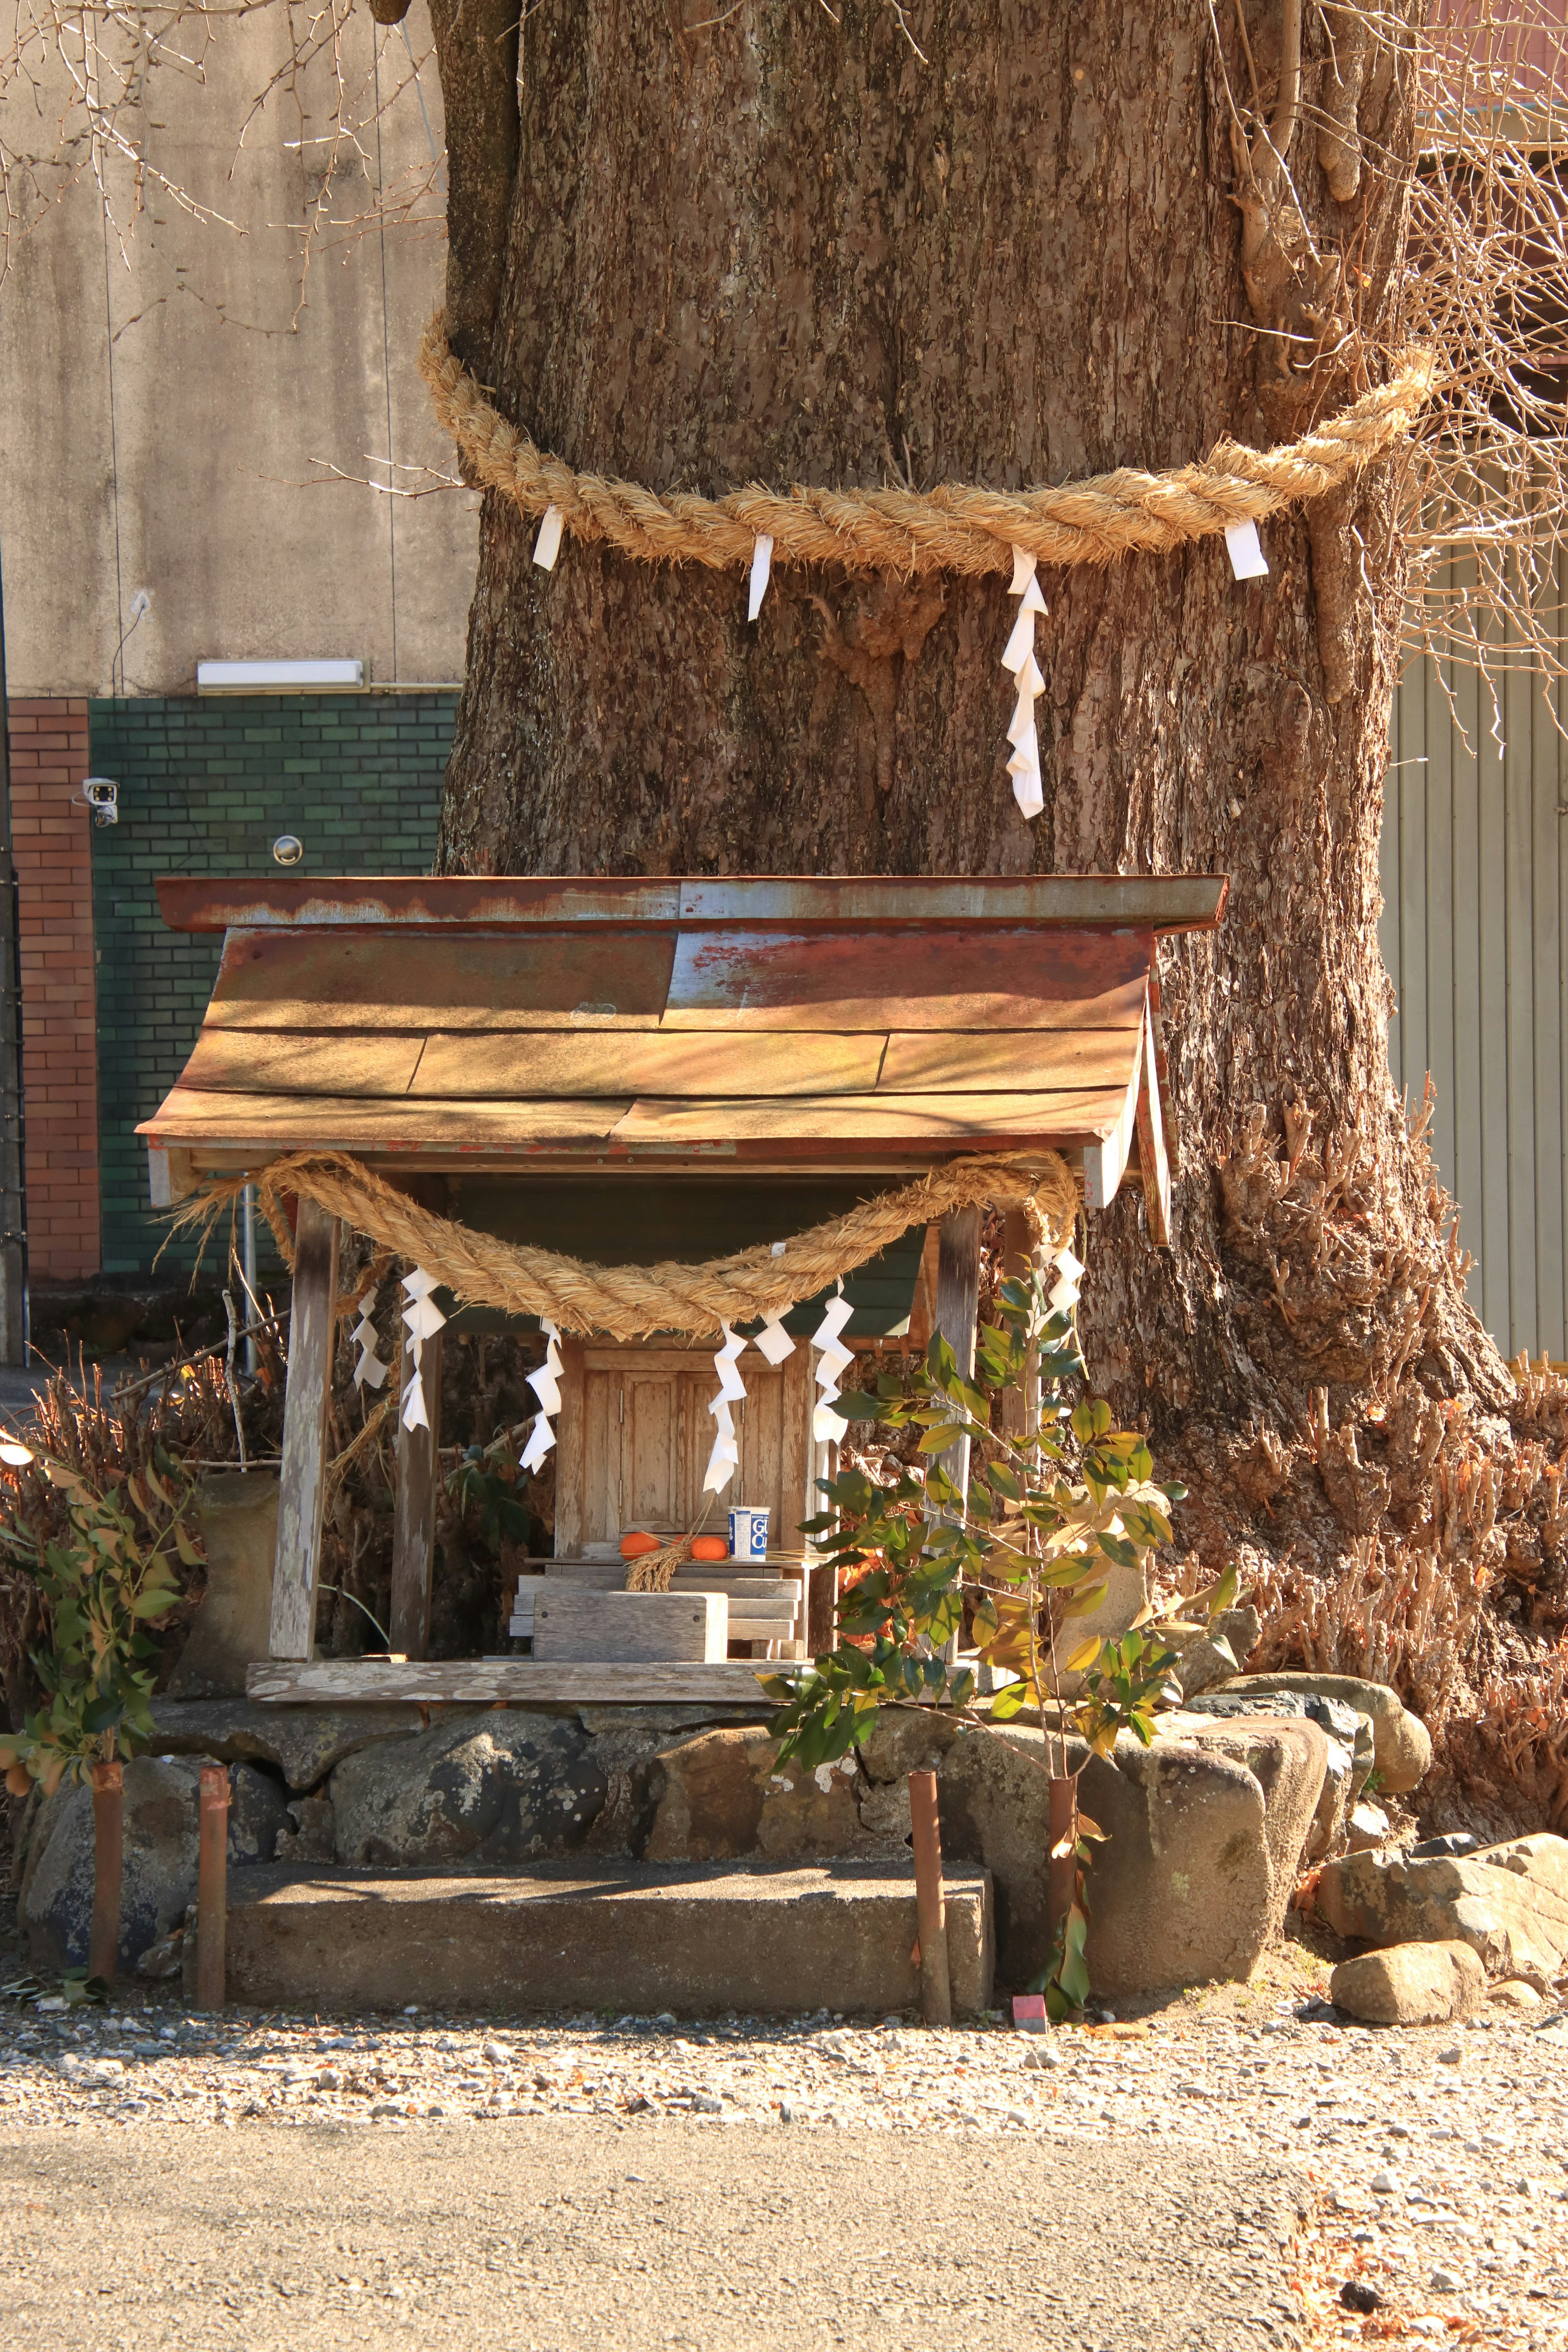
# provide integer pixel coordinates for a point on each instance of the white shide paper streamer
(546, 1386)
(1069, 1273)
(370, 1368)
(422, 1319)
(834, 1357)
(1244, 550)
(772, 1340)
(1018, 655)
(762, 564)
(725, 1458)
(547, 545)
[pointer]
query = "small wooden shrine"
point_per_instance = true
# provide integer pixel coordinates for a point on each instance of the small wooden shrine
(633, 1073)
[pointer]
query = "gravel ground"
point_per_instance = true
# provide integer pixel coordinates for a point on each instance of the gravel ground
(1429, 2166)
(552, 2234)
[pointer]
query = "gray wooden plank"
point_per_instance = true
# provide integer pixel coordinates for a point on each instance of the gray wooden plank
(302, 1480)
(413, 1511)
(517, 1681)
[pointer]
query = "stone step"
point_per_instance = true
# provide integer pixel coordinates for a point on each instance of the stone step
(698, 1939)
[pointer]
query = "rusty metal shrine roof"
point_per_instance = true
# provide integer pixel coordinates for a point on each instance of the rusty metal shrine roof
(537, 1026)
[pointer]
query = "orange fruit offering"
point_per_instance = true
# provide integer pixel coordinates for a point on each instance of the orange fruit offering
(633, 1546)
(709, 1548)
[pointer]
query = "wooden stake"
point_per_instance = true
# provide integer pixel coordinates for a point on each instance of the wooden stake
(107, 1784)
(931, 1908)
(413, 1519)
(212, 1887)
(302, 1483)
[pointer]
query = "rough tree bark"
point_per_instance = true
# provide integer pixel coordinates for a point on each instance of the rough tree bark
(785, 246)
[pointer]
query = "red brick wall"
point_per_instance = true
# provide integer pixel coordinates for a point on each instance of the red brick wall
(59, 1012)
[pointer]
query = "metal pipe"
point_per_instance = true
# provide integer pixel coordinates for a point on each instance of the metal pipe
(108, 1783)
(212, 1887)
(930, 1906)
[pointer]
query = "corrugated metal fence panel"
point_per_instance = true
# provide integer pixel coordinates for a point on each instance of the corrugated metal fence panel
(1473, 884)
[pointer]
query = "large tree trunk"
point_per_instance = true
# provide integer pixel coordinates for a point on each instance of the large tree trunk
(789, 249)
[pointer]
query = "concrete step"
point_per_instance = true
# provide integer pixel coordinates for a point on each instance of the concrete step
(699, 1939)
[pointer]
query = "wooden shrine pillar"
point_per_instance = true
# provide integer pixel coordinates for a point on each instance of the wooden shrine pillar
(957, 1315)
(958, 1305)
(418, 1455)
(301, 1490)
(1020, 1259)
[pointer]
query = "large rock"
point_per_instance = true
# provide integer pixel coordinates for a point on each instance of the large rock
(160, 1856)
(1411, 1984)
(504, 1786)
(238, 1517)
(1204, 1834)
(1508, 1903)
(1126, 1598)
(724, 1795)
(1351, 1750)
(1402, 1742)
(303, 1742)
(1200, 1666)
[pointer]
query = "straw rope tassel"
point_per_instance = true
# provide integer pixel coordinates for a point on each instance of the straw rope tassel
(956, 527)
(628, 1302)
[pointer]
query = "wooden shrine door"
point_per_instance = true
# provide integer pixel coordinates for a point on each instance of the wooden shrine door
(635, 1433)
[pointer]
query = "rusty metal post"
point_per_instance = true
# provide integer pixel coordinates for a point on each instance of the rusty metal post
(107, 1784)
(931, 1909)
(212, 1887)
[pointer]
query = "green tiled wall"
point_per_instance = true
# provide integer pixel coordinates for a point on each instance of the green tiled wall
(205, 787)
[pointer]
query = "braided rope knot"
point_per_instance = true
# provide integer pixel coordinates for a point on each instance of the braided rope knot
(953, 528)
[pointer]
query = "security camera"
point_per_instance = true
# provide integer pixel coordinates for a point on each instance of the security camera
(101, 795)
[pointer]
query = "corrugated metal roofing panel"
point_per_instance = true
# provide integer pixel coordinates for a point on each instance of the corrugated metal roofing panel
(1077, 1115)
(1163, 902)
(382, 978)
(1008, 1061)
(241, 1061)
(635, 1063)
(991, 977)
(284, 1122)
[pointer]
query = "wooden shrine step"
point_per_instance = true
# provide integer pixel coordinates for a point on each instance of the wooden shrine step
(508, 1682)
(698, 1939)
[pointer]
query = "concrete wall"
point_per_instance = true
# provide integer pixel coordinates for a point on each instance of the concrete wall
(166, 381)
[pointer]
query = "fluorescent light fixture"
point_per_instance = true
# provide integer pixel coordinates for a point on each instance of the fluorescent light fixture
(275, 677)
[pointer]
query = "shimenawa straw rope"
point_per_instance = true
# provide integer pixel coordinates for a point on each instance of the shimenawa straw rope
(628, 1302)
(953, 528)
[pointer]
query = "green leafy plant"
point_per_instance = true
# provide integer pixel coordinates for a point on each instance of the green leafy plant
(112, 1575)
(484, 1488)
(1016, 1543)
